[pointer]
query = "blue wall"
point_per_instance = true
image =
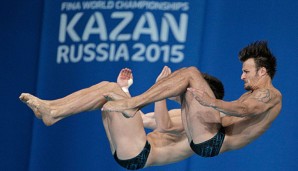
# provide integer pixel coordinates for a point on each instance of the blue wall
(79, 142)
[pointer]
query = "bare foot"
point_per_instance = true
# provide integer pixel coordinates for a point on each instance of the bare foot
(113, 100)
(30, 101)
(40, 108)
(24, 97)
(124, 77)
(166, 71)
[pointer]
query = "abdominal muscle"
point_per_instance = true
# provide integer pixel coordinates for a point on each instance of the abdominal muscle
(167, 148)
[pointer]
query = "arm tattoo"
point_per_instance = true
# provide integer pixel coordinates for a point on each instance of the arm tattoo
(263, 96)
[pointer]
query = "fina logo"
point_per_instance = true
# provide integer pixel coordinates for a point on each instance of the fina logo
(135, 37)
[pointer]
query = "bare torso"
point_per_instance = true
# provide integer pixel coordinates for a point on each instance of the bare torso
(242, 131)
(169, 146)
(201, 123)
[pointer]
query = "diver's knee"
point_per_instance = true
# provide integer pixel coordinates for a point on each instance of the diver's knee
(193, 69)
(193, 72)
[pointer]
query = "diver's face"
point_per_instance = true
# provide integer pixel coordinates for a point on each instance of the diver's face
(249, 74)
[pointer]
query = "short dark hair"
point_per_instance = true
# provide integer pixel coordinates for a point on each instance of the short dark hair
(262, 56)
(216, 85)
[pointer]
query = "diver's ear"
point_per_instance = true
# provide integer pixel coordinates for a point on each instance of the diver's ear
(262, 71)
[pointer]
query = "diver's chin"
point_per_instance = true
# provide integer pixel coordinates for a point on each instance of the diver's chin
(248, 88)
